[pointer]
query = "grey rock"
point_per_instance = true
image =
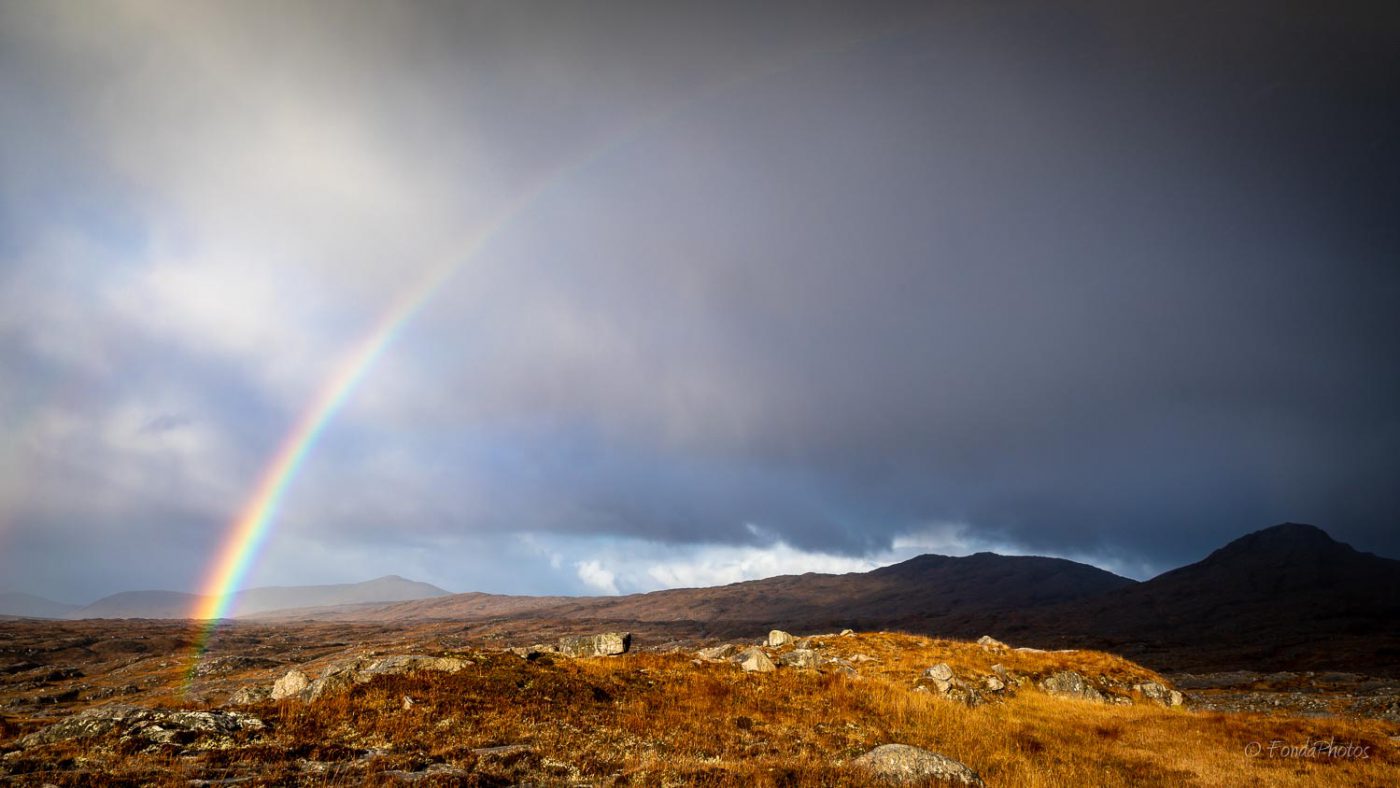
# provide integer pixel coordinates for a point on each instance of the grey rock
(902, 764)
(778, 638)
(1068, 684)
(605, 644)
(799, 658)
(162, 726)
(720, 652)
(991, 644)
(940, 672)
(754, 660)
(246, 695)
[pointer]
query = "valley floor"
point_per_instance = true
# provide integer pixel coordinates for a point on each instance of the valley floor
(84, 703)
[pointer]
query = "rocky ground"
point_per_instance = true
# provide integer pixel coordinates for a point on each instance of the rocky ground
(313, 703)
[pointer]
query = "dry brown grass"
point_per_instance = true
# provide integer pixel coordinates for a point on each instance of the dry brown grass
(657, 719)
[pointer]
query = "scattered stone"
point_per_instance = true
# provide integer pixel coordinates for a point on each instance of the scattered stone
(991, 644)
(940, 680)
(1068, 684)
(847, 633)
(799, 658)
(291, 683)
(755, 660)
(602, 645)
(994, 684)
(900, 763)
(778, 638)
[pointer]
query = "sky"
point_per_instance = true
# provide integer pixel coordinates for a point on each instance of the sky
(764, 288)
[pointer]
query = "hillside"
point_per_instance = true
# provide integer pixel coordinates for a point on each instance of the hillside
(175, 604)
(30, 606)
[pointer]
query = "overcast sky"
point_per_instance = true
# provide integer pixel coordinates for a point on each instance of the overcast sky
(816, 287)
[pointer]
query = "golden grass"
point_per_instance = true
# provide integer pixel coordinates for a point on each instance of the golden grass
(657, 719)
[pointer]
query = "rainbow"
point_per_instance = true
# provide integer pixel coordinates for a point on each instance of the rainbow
(249, 530)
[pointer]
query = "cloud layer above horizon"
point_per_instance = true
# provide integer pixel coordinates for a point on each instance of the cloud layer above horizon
(805, 288)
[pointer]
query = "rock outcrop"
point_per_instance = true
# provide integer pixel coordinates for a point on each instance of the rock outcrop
(156, 726)
(605, 644)
(1068, 684)
(903, 764)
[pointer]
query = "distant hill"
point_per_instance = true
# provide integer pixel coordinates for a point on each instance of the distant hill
(923, 592)
(1287, 597)
(176, 604)
(19, 605)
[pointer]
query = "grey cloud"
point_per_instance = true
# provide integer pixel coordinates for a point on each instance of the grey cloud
(1089, 280)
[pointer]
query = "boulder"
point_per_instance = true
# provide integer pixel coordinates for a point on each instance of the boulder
(291, 683)
(799, 658)
(902, 764)
(847, 633)
(605, 644)
(720, 652)
(1068, 684)
(778, 638)
(755, 660)
(940, 672)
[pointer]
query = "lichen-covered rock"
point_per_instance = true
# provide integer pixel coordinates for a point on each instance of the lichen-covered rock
(720, 652)
(248, 695)
(160, 726)
(1068, 684)
(902, 764)
(605, 644)
(754, 660)
(940, 672)
(1156, 691)
(778, 638)
(291, 683)
(799, 658)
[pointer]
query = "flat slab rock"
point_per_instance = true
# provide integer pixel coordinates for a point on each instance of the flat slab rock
(156, 725)
(903, 764)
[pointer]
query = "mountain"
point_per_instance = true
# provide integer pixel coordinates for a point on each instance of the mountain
(1289, 595)
(176, 604)
(29, 606)
(1284, 598)
(929, 592)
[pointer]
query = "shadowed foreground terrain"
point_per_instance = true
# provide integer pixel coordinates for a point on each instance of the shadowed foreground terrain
(112, 702)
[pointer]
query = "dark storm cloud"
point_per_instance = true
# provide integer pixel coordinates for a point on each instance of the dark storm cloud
(1091, 279)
